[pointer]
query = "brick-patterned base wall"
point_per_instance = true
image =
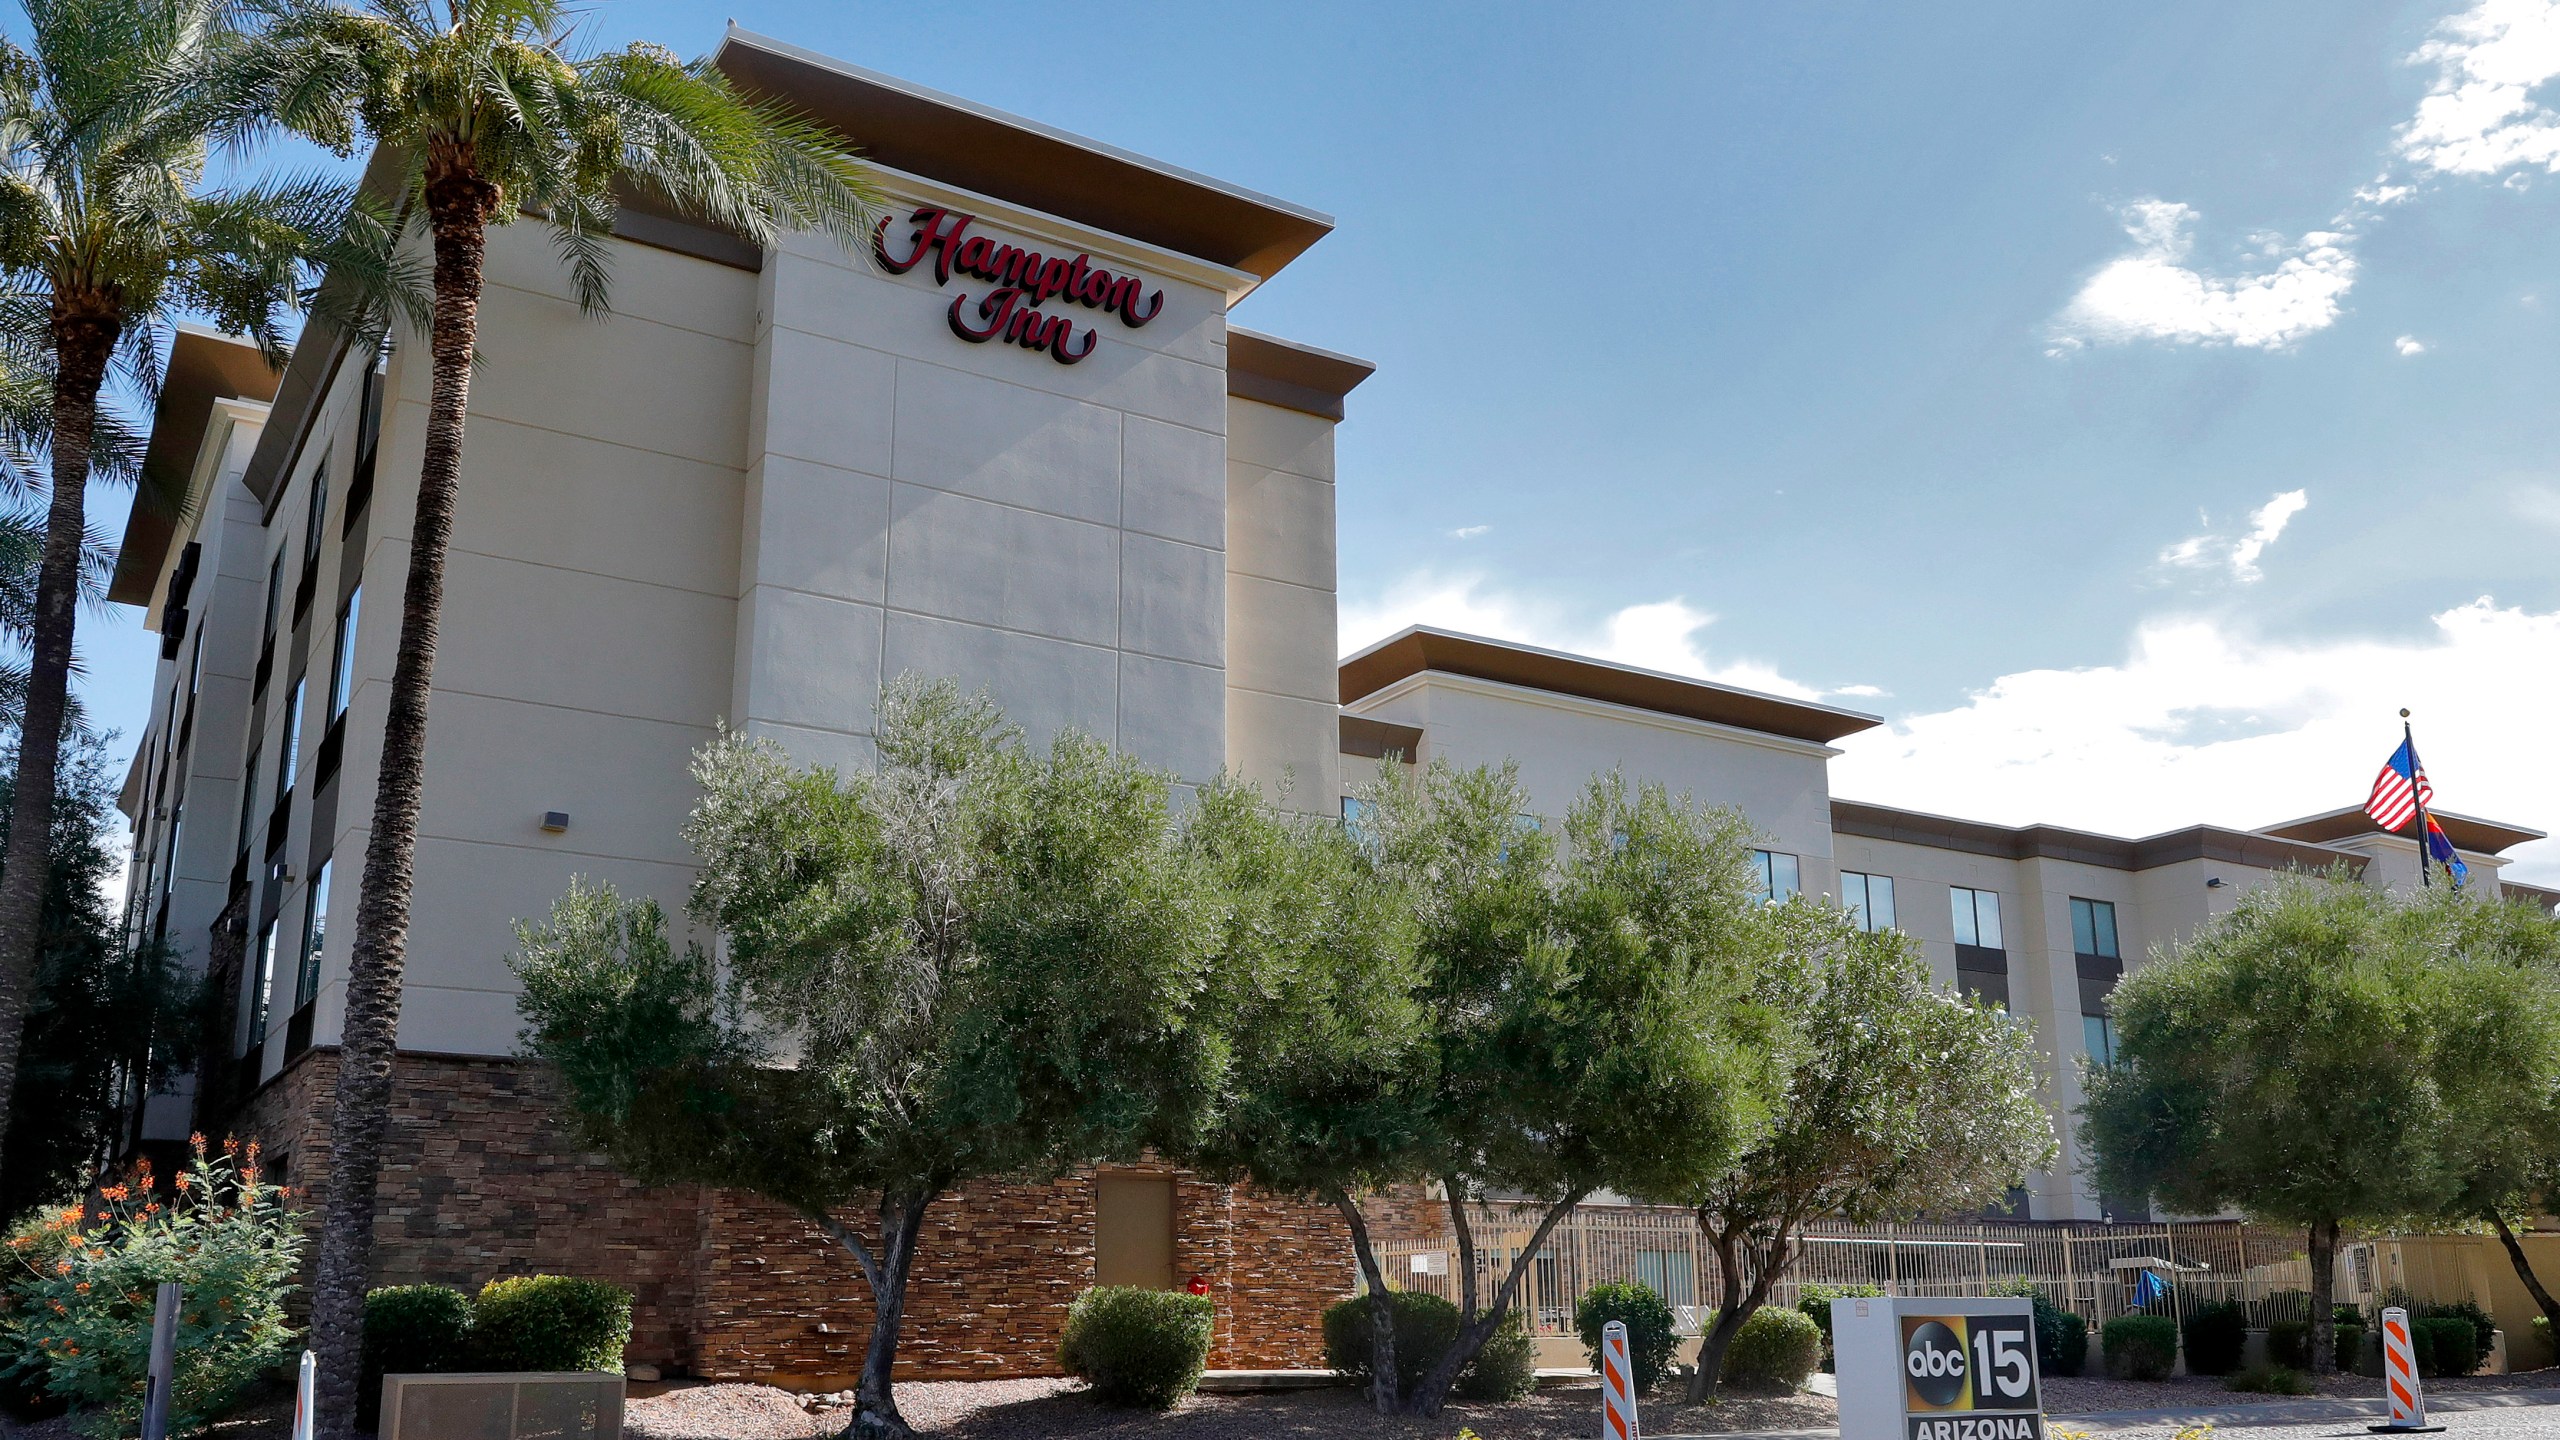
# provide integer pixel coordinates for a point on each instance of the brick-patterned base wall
(481, 1180)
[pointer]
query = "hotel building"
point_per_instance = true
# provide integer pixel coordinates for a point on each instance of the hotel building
(776, 478)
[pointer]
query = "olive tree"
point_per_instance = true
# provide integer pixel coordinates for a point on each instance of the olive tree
(1902, 1099)
(1589, 1002)
(2298, 1060)
(972, 959)
(1319, 990)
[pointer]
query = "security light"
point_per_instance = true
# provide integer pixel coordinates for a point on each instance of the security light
(555, 821)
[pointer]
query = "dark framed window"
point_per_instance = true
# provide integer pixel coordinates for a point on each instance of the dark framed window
(1977, 916)
(262, 983)
(315, 933)
(342, 661)
(1868, 899)
(2097, 957)
(1777, 874)
(2093, 928)
(248, 800)
(289, 762)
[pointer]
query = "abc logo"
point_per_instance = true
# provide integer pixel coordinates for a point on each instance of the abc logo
(1934, 1362)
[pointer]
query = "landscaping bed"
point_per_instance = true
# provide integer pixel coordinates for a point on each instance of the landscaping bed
(1006, 1409)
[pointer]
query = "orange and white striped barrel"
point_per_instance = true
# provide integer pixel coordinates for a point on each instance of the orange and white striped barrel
(2400, 1374)
(1617, 1385)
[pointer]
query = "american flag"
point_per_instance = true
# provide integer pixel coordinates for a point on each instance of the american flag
(2400, 789)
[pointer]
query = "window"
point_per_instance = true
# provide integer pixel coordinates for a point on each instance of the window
(1355, 817)
(1869, 899)
(342, 665)
(1977, 915)
(2093, 928)
(2098, 1033)
(275, 595)
(319, 512)
(262, 983)
(1776, 874)
(289, 764)
(315, 933)
(248, 801)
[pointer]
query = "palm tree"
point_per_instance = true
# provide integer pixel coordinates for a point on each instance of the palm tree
(497, 120)
(107, 231)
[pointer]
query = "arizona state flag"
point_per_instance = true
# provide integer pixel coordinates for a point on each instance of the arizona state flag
(2440, 849)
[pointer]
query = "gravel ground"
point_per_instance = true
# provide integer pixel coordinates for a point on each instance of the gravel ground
(1021, 1409)
(2524, 1423)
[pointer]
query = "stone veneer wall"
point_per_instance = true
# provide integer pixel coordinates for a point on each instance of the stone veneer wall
(482, 1180)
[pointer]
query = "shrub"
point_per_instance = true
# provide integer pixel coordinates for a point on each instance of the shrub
(1780, 1346)
(2542, 1336)
(86, 1318)
(2141, 1347)
(2484, 1327)
(1135, 1347)
(1647, 1317)
(1506, 1369)
(410, 1330)
(550, 1322)
(2062, 1338)
(2217, 1337)
(2270, 1380)
(1815, 1302)
(1425, 1326)
(2448, 1341)
(2351, 1345)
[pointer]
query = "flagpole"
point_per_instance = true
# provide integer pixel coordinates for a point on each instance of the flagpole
(2410, 740)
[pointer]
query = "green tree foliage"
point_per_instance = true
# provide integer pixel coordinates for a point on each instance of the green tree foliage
(1901, 1099)
(2303, 1058)
(492, 118)
(100, 1019)
(1590, 1004)
(978, 959)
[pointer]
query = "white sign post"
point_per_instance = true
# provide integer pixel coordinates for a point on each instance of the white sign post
(163, 1370)
(1937, 1369)
(2400, 1379)
(306, 1390)
(1617, 1385)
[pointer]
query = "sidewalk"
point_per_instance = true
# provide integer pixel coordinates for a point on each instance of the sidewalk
(2227, 1417)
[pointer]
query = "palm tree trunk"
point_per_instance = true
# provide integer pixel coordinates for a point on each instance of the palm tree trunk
(458, 206)
(83, 338)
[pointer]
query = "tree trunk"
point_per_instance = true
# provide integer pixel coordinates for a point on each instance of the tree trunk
(1473, 1330)
(875, 1403)
(458, 207)
(1740, 1302)
(1382, 1308)
(84, 336)
(2524, 1271)
(2324, 1328)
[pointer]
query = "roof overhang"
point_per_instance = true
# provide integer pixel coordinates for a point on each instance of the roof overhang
(204, 366)
(1289, 374)
(2083, 847)
(2467, 832)
(1422, 648)
(942, 137)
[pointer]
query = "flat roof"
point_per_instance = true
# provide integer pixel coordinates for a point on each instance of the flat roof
(204, 366)
(1421, 647)
(2467, 832)
(908, 127)
(2054, 842)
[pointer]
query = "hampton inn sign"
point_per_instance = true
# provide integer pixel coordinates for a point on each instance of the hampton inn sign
(1024, 280)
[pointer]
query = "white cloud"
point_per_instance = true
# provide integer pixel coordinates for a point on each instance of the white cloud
(2409, 345)
(2202, 723)
(2154, 294)
(2480, 118)
(1862, 692)
(1469, 532)
(1663, 635)
(2238, 554)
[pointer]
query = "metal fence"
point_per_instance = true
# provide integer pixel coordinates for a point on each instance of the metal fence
(2093, 1270)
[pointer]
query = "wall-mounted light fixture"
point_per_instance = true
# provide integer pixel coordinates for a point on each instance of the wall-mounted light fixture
(2214, 882)
(555, 821)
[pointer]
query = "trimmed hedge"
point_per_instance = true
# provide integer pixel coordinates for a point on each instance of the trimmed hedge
(410, 1330)
(2217, 1338)
(1506, 1369)
(2289, 1342)
(1143, 1349)
(1425, 1325)
(2141, 1347)
(551, 1322)
(1649, 1322)
(2446, 1345)
(1774, 1346)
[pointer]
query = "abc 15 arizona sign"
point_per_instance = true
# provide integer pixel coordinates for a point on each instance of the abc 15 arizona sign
(1970, 1377)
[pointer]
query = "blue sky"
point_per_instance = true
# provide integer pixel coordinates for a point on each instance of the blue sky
(2136, 405)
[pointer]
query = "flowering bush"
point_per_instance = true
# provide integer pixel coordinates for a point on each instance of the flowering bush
(86, 1282)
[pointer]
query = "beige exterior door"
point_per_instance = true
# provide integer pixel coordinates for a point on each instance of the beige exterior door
(1133, 1231)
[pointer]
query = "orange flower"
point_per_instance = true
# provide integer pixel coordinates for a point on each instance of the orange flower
(80, 1289)
(196, 1140)
(115, 1192)
(62, 1267)
(230, 1144)
(182, 1180)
